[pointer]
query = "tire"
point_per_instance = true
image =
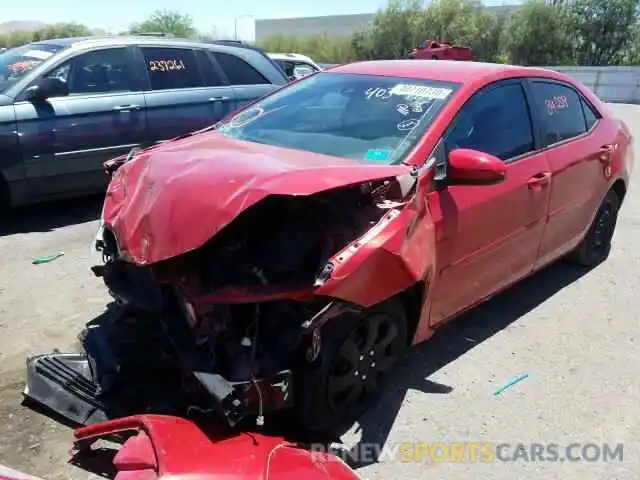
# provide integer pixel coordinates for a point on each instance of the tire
(5, 200)
(321, 405)
(596, 245)
(434, 58)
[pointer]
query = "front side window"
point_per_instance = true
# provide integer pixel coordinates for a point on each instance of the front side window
(172, 68)
(17, 62)
(100, 71)
(495, 121)
(560, 109)
(366, 117)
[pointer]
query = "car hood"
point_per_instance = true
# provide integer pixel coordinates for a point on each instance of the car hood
(173, 198)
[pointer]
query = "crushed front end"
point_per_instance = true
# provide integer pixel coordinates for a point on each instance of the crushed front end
(229, 326)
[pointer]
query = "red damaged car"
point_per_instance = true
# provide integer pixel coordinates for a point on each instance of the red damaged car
(286, 257)
(432, 50)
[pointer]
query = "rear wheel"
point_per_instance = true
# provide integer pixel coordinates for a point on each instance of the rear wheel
(357, 355)
(5, 200)
(596, 245)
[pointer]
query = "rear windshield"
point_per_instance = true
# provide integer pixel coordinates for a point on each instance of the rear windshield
(365, 117)
(17, 62)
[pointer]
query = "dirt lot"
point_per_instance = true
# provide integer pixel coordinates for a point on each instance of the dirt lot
(575, 335)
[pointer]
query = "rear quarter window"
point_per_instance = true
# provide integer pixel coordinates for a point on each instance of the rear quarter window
(238, 71)
(560, 112)
(590, 116)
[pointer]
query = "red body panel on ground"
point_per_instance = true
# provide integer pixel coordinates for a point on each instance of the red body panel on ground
(165, 447)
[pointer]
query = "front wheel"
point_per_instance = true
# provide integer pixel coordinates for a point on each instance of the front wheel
(596, 245)
(357, 355)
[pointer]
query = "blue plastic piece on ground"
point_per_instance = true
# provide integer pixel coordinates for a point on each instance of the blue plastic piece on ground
(511, 383)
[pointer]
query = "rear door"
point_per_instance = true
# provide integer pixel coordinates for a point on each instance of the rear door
(248, 83)
(181, 97)
(65, 140)
(488, 236)
(575, 137)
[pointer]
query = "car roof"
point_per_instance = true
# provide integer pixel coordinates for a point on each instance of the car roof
(440, 70)
(135, 39)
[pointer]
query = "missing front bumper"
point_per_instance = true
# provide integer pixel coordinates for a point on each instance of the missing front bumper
(64, 384)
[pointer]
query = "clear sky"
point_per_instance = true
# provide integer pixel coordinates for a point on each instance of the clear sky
(210, 16)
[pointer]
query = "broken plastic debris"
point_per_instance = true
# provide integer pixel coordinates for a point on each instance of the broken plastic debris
(47, 259)
(511, 383)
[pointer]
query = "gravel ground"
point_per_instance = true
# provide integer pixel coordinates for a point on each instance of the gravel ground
(574, 335)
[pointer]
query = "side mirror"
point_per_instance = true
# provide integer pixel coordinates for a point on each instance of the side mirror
(47, 88)
(471, 167)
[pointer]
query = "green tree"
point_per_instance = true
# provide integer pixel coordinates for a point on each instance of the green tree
(603, 29)
(61, 30)
(405, 23)
(539, 33)
(168, 22)
(464, 22)
(320, 48)
(56, 30)
(395, 30)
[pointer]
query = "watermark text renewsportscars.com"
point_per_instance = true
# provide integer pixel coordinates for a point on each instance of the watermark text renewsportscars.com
(478, 452)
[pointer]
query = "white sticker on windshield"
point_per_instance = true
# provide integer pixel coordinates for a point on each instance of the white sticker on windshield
(38, 54)
(432, 93)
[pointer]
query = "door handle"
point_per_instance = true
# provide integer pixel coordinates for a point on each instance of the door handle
(220, 98)
(605, 154)
(541, 178)
(127, 108)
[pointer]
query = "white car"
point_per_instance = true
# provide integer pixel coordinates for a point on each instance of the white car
(295, 65)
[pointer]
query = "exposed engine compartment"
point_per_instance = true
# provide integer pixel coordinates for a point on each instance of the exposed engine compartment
(249, 289)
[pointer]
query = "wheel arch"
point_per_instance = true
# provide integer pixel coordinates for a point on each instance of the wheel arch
(5, 193)
(620, 189)
(412, 299)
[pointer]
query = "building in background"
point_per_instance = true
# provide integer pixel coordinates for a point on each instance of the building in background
(340, 25)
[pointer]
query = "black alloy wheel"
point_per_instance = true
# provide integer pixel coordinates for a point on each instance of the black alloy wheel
(368, 353)
(358, 353)
(596, 245)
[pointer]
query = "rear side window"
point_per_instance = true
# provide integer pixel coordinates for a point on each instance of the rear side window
(496, 121)
(560, 110)
(172, 68)
(238, 71)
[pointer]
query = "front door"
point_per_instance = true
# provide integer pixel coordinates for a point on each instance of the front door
(488, 236)
(65, 140)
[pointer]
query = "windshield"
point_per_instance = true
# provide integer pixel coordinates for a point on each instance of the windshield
(365, 117)
(18, 61)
